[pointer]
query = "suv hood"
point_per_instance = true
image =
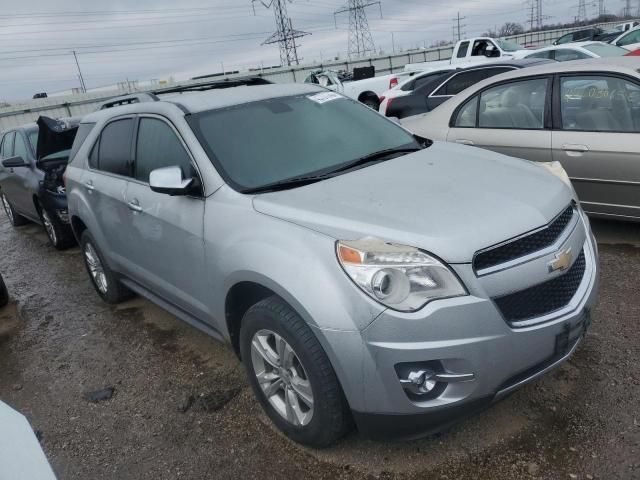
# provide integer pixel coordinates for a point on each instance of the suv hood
(448, 199)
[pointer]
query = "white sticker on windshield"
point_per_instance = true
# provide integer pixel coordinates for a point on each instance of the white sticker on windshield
(325, 97)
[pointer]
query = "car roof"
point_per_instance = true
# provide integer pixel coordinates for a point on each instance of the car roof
(194, 102)
(572, 45)
(628, 65)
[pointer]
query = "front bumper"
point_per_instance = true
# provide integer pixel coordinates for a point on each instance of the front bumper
(465, 335)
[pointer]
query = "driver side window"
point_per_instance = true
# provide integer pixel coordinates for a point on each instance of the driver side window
(158, 146)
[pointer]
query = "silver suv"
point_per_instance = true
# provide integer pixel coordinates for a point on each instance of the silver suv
(360, 273)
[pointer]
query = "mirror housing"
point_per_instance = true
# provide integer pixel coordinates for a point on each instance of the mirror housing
(168, 180)
(15, 162)
(491, 52)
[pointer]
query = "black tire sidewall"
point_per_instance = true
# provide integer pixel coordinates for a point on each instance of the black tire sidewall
(4, 294)
(317, 433)
(64, 233)
(16, 220)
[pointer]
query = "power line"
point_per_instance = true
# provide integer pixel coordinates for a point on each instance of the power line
(285, 35)
(360, 39)
(582, 11)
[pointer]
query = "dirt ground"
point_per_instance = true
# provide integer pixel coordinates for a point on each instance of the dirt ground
(181, 408)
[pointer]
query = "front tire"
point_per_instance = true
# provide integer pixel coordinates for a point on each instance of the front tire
(291, 375)
(104, 280)
(59, 234)
(14, 217)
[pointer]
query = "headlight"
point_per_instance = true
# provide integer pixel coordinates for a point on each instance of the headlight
(400, 277)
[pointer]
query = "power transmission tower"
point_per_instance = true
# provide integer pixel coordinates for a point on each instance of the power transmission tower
(582, 11)
(638, 11)
(602, 10)
(360, 39)
(627, 9)
(536, 17)
(285, 35)
(458, 31)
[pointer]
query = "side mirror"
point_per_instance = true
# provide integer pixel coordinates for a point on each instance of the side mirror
(14, 162)
(169, 181)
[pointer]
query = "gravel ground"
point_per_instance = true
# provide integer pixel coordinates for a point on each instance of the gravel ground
(180, 407)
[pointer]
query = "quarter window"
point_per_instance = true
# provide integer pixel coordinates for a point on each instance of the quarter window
(546, 54)
(600, 104)
(114, 149)
(517, 105)
(158, 146)
(467, 114)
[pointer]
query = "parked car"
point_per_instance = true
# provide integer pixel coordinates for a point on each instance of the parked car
(629, 40)
(473, 51)
(623, 27)
(357, 270)
(366, 91)
(588, 34)
(410, 84)
(34, 158)
(590, 124)
(440, 87)
(4, 294)
(578, 51)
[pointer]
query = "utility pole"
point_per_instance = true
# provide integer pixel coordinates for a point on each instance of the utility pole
(458, 33)
(285, 35)
(83, 86)
(360, 39)
(627, 9)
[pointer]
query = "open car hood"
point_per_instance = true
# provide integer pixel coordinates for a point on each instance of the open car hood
(55, 135)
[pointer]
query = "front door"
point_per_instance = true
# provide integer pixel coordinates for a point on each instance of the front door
(166, 247)
(26, 178)
(510, 118)
(597, 141)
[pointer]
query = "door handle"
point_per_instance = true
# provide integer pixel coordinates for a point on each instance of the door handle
(462, 141)
(568, 147)
(134, 205)
(89, 186)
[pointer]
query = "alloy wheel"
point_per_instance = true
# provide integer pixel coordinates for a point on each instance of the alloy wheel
(7, 207)
(282, 377)
(48, 226)
(95, 268)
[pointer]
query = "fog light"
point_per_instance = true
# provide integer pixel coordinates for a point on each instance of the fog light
(423, 382)
(63, 215)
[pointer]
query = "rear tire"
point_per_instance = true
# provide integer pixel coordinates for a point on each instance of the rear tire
(14, 217)
(104, 280)
(307, 381)
(60, 235)
(4, 294)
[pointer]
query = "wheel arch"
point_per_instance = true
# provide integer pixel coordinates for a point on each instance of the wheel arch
(369, 95)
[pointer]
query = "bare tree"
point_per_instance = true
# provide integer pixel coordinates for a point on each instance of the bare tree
(510, 28)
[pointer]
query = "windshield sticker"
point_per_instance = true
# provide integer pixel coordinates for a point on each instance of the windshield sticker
(324, 97)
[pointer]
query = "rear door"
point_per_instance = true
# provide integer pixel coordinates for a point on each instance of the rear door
(596, 137)
(165, 244)
(106, 181)
(26, 178)
(8, 179)
(512, 118)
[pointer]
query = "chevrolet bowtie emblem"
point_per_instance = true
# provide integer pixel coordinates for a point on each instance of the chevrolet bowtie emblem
(562, 261)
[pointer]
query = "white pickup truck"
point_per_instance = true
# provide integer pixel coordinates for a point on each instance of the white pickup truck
(476, 50)
(367, 91)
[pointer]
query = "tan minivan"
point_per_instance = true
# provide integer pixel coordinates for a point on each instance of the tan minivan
(584, 114)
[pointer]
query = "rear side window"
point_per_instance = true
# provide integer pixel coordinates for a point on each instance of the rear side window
(459, 82)
(84, 129)
(158, 146)
(114, 149)
(462, 51)
(546, 54)
(20, 147)
(7, 145)
(565, 54)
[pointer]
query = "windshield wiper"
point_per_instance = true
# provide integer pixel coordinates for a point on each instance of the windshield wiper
(374, 157)
(306, 180)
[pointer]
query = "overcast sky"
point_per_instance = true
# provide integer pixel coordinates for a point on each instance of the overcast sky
(143, 39)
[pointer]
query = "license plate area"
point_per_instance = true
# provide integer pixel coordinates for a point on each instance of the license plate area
(570, 334)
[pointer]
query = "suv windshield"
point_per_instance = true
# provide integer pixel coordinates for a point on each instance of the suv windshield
(508, 46)
(301, 137)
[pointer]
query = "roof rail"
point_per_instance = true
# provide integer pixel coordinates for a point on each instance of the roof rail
(226, 83)
(152, 96)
